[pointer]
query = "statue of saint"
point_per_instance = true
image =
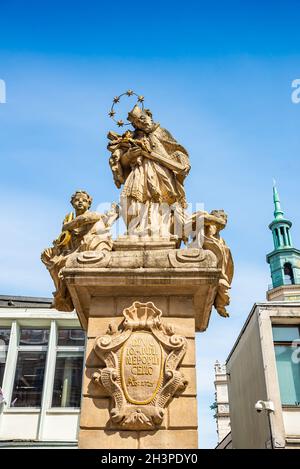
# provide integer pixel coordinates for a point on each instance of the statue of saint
(84, 231)
(151, 165)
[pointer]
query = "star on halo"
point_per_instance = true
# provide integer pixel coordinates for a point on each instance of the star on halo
(117, 99)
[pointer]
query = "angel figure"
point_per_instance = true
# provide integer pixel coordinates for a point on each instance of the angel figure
(204, 230)
(82, 231)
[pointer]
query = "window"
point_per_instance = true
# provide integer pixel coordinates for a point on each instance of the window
(29, 379)
(288, 274)
(4, 342)
(287, 352)
(282, 234)
(30, 369)
(277, 237)
(73, 337)
(34, 336)
(41, 365)
(68, 369)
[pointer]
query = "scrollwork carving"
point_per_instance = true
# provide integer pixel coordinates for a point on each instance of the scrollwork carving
(142, 361)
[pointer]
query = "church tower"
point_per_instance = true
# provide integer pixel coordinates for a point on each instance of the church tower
(284, 260)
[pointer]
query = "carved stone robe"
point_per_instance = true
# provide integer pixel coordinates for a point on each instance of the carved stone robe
(151, 181)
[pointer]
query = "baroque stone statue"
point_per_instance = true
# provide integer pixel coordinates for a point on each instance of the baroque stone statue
(214, 223)
(204, 229)
(151, 166)
(169, 265)
(82, 231)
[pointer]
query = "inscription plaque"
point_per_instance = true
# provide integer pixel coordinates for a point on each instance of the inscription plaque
(142, 360)
(141, 367)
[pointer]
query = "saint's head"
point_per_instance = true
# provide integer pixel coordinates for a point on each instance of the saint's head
(141, 119)
(81, 201)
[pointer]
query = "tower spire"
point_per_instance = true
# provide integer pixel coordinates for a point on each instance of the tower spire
(284, 260)
(278, 212)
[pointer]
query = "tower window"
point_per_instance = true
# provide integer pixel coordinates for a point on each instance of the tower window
(277, 237)
(282, 232)
(288, 274)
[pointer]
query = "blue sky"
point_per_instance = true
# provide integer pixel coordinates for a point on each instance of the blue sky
(218, 76)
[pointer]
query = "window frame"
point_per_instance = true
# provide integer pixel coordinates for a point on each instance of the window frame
(28, 348)
(34, 318)
(285, 343)
(53, 323)
(68, 349)
(70, 354)
(4, 348)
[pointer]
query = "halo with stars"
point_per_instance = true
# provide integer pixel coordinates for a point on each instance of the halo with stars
(116, 100)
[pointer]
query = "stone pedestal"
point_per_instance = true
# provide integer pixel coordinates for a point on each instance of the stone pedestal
(161, 296)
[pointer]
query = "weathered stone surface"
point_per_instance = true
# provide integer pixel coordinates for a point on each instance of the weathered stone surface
(92, 360)
(91, 439)
(190, 357)
(148, 259)
(183, 413)
(181, 306)
(190, 376)
(90, 284)
(182, 326)
(169, 439)
(95, 412)
(100, 325)
(104, 308)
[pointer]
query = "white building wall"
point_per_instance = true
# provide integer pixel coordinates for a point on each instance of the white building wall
(253, 376)
(45, 424)
(222, 402)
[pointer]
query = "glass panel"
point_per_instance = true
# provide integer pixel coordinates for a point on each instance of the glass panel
(4, 341)
(4, 335)
(67, 380)
(34, 336)
(29, 379)
(75, 337)
(285, 334)
(288, 368)
(30, 336)
(2, 366)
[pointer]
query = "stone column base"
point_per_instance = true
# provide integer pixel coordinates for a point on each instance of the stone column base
(139, 388)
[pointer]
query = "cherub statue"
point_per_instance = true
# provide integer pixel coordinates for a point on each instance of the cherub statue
(204, 228)
(213, 224)
(150, 165)
(82, 231)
